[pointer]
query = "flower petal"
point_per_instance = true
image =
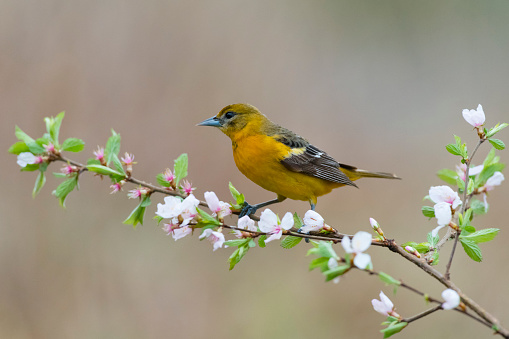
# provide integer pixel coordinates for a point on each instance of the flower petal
(287, 221)
(443, 213)
(212, 201)
(347, 244)
(268, 221)
(361, 241)
(362, 260)
(274, 236)
(452, 299)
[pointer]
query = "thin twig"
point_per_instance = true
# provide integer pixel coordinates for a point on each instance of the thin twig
(422, 314)
(336, 237)
(463, 207)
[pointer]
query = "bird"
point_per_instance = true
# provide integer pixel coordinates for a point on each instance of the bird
(281, 161)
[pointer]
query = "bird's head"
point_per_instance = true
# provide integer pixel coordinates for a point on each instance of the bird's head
(237, 119)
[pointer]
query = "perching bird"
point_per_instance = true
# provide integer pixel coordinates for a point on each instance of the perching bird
(279, 160)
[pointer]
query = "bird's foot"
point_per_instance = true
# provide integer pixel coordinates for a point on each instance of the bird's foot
(300, 231)
(247, 209)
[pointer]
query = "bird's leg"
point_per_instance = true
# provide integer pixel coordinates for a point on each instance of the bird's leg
(313, 205)
(251, 209)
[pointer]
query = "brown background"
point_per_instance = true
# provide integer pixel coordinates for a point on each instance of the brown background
(380, 85)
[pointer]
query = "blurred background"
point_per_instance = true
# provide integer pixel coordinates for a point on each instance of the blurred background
(379, 85)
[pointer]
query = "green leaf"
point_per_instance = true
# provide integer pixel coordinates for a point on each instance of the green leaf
(23, 136)
(158, 218)
(206, 221)
(73, 145)
(488, 172)
(453, 149)
(461, 184)
(336, 272)
(470, 229)
(393, 329)
(433, 240)
(118, 165)
(30, 168)
(238, 255)
(236, 242)
(251, 243)
(162, 181)
(65, 188)
(18, 147)
(478, 207)
(496, 129)
(145, 201)
(470, 187)
(39, 183)
(112, 147)
(297, 221)
(484, 235)
(35, 148)
(59, 175)
(435, 258)
(323, 249)
(471, 249)
(428, 211)
(180, 168)
(448, 175)
(104, 171)
(136, 216)
(322, 263)
(490, 158)
(497, 143)
(239, 197)
(53, 126)
(422, 247)
(388, 280)
(261, 240)
(290, 241)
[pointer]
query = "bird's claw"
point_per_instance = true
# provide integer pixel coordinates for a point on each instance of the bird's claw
(300, 231)
(247, 210)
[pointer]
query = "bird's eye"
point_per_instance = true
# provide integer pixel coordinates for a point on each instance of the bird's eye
(229, 115)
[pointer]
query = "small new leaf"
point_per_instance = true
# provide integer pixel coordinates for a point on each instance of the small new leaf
(65, 188)
(136, 216)
(497, 143)
(290, 241)
(387, 279)
(448, 175)
(39, 183)
(335, 272)
(105, 171)
(471, 249)
(236, 242)
(484, 235)
(18, 147)
(428, 211)
(206, 220)
(433, 240)
(321, 263)
(73, 145)
(453, 149)
(23, 136)
(261, 240)
(323, 249)
(239, 197)
(496, 129)
(162, 181)
(393, 328)
(180, 168)
(112, 146)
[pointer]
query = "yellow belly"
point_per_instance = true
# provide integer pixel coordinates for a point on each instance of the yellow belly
(258, 158)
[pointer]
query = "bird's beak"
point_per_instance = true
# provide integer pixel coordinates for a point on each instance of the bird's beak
(214, 121)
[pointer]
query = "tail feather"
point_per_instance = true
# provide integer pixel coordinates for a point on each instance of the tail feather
(384, 175)
(355, 173)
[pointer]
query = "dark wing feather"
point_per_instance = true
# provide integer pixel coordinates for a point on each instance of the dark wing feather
(312, 161)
